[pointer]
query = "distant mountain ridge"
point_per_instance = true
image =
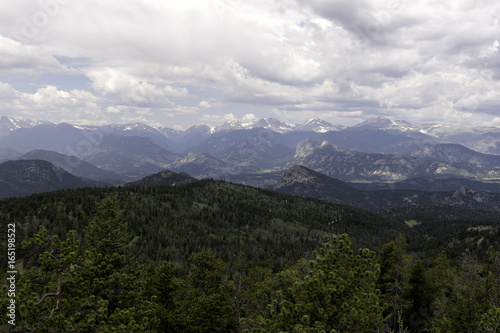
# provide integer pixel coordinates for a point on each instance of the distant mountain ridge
(73, 165)
(24, 177)
(455, 153)
(245, 147)
(165, 178)
(430, 185)
(7, 154)
(378, 149)
(278, 126)
(62, 138)
(8, 124)
(177, 141)
(200, 165)
(384, 123)
(301, 181)
(129, 156)
(350, 165)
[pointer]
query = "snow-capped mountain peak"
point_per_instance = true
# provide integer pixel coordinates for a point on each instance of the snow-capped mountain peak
(274, 125)
(318, 125)
(8, 124)
(229, 126)
(267, 123)
(375, 122)
(384, 123)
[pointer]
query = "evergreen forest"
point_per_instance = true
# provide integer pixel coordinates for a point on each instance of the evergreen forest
(212, 256)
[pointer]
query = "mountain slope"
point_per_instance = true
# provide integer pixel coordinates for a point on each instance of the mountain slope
(455, 153)
(357, 166)
(377, 150)
(384, 123)
(24, 177)
(375, 140)
(8, 125)
(165, 178)
(482, 139)
(200, 165)
(141, 130)
(8, 154)
(132, 156)
(304, 182)
(430, 185)
(192, 137)
(254, 147)
(62, 138)
(317, 125)
(273, 124)
(301, 181)
(72, 164)
(174, 221)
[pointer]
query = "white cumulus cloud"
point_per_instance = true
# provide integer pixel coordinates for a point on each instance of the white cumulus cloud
(417, 60)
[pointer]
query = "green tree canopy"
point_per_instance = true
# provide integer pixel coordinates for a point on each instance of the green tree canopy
(337, 295)
(107, 233)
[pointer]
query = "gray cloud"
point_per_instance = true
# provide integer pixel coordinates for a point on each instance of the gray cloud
(410, 59)
(20, 60)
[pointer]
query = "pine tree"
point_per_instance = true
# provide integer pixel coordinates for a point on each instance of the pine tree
(419, 296)
(43, 288)
(337, 295)
(441, 276)
(100, 291)
(161, 286)
(110, 285)
(392, 281)
(462, 309)
(202, 303)
(107, 233)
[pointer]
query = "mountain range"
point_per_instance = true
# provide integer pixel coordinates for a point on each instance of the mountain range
(23, 177)
(351, 165)
(300, 181)
(378, 150)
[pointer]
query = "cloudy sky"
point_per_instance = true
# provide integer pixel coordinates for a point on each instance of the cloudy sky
(178, 63)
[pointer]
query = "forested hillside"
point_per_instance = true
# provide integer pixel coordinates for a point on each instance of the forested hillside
(173, 222)
(19, 178)
(211, 256)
